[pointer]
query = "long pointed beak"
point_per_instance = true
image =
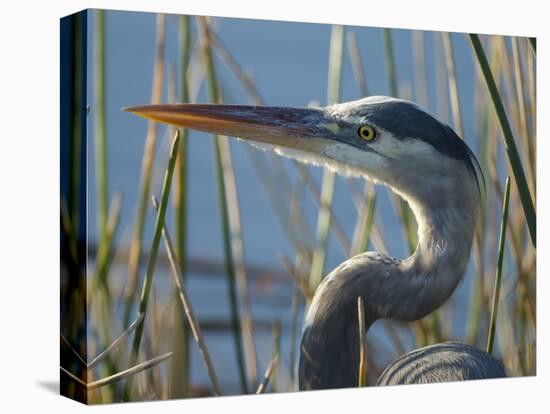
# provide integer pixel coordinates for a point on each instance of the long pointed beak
(283, 126)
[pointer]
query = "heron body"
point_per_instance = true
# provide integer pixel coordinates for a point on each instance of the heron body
(448, 361)
(398, 144)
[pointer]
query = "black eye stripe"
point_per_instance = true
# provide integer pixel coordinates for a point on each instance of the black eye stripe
(407, 121)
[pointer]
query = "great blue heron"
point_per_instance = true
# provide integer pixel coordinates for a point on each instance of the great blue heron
(399, 144)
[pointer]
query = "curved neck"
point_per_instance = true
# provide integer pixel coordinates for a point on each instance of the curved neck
(404, 290)
(446, 224)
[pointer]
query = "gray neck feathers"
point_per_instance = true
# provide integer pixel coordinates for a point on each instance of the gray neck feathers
(446, 223)
(404, 290)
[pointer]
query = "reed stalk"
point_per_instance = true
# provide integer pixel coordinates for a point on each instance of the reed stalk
(362, 343)
(498, 275)
(181, 363)
(105, 246)
(100, 124)
(390, 62)
(276, 352)
(115, 343)
(146, 173)
(268, 372)
(453, 84)
(357, 64)
(128, 373)
(327, 187)
(365, 217)
(403, 209)
(521, 106)
(295, 303)
(420, 74)
(148, 281)
(301, 282)
(187, 307)
(224, 209)
(508, 137)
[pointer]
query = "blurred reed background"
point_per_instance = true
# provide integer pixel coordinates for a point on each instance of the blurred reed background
(253, 234)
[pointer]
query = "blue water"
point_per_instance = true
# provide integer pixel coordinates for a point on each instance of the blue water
(288, 62)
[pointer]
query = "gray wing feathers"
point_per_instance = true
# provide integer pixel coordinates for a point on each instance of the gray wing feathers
(445, 362)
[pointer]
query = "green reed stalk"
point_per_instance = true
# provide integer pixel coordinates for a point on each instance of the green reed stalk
(100, 127)
(498, 275)
(233, 208)
(404, 210)
(509, 142)
(476, 293)
(327, 189)
(148, 281)
(487, 127)
(146, 173)
(222, 195)
(104, 248)
(180, 191)
(181, 363)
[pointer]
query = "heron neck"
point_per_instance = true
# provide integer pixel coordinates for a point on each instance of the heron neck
(446, 222)
(403, 290)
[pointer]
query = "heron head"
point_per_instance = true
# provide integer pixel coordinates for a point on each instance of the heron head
(388, 140)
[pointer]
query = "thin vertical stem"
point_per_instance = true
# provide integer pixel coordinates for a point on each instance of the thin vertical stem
(100, 128)
(188, 309)
(390, 62)
(181, 363)
(293, 331)
(498, 275)
(522, 109)
(148, 281)
(508, 137)
(453, 85)
(146, 173)
(269, 370)
(104, 249)
(356, 64)
(363, 226)
(327, 190)
(362, 343)
(420, 80)
(222, 195)
(369, 219)
(276, 351)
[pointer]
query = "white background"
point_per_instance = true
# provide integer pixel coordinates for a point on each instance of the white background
(29, 209)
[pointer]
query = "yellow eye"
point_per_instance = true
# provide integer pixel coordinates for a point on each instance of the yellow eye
(367, 133)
